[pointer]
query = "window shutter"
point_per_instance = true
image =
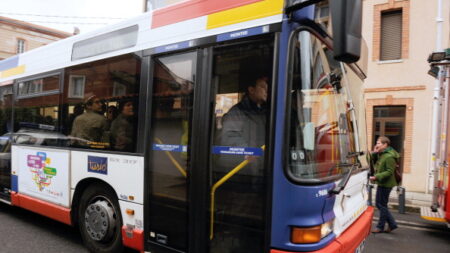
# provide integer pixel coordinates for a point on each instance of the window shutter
(391, 35)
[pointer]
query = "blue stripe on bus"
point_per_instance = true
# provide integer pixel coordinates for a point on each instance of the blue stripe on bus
(173, 47)
(223, 150)
(169, 147)
(9, 63)
(243, 33)
(15, 183)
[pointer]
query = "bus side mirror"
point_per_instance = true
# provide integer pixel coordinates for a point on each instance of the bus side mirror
(346, 17)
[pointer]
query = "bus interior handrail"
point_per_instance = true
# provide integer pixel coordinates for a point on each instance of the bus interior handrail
(218, 184)
(172, 159)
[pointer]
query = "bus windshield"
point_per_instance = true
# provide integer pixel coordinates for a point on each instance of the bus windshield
(321, 138)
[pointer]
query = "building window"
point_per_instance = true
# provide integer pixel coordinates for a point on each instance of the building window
(38, 87)
(391, 31)
(20, 46)
(391, 35)
(119, 89)
(76, 86)
(30, 87)
(159, 4)
(322, 14)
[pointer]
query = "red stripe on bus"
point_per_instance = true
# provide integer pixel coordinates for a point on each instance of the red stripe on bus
(357, 232)
(133, 238)
(350, 239)
(194, 9)
(49, 210)
(446, 206)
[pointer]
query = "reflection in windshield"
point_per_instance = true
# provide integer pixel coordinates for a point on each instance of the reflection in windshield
(321, 133)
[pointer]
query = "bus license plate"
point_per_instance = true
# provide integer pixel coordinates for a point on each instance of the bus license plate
(360, 247)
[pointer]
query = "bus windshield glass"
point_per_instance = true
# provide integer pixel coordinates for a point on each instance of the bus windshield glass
(321, 136)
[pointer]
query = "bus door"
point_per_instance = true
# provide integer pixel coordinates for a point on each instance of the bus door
(242, 77)
(174, 81)
(6, 101)
(207, 177)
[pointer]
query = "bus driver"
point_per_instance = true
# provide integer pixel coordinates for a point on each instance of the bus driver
(244, 124)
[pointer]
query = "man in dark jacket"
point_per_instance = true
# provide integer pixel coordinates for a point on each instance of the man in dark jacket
(384, 177)
(244, 126)
(244, 130)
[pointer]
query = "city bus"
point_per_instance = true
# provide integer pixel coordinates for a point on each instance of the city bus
(199, 126)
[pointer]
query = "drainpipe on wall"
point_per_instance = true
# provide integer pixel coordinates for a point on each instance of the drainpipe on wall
(434, 163)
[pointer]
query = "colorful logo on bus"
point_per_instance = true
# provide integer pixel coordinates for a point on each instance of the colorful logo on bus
(98, 164)
(39, 166)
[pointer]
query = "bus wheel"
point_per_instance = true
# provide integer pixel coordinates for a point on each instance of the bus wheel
(99, 220)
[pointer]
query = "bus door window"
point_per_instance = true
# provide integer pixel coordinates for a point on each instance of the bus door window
(101, 104)
(172, 99)
(242, 75)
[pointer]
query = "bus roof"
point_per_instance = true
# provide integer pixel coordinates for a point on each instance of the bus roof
(172, 28)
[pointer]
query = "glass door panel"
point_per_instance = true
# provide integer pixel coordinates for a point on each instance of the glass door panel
(389, 121)
(242, 77)
(173, 89)
(394, 131)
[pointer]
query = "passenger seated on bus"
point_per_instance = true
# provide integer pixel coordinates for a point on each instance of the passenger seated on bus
(244, 127)
(111, 114)
(78, 109)
(91, 127)
(122, 128)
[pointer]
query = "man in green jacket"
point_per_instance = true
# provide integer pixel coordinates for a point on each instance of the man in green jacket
(385, 157)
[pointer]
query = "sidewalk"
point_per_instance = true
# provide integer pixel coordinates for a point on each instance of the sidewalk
(413, 200)
(412, 219)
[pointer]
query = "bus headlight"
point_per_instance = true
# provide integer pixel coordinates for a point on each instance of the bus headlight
(327, 228)
(311, 234)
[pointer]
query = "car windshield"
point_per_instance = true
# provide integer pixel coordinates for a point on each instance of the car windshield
(321, 138)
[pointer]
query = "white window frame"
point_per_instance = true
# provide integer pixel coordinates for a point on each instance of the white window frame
(30, 87)
(20, 46)
(119, 89)
(72, 86)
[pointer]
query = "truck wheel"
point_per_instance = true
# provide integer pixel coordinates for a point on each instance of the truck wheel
(99, 220)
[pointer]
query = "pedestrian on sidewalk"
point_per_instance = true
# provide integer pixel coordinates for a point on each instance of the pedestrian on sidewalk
(385, 159)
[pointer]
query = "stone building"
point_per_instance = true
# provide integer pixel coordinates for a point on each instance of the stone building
(17, 36)
(400, 35)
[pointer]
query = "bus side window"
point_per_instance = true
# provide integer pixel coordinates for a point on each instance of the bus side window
(101, 104)
(36, 112)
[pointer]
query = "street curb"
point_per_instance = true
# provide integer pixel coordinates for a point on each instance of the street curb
(417, 225)
(408, 209)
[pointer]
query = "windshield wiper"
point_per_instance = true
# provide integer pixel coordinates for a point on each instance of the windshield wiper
(344, 181)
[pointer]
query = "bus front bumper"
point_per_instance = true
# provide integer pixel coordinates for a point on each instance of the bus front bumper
(351, 239)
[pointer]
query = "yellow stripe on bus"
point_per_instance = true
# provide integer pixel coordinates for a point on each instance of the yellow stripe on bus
(253, 11)
(13, 71)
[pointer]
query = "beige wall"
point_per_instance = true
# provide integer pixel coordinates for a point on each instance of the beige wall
(33, 39)
(407, 79)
